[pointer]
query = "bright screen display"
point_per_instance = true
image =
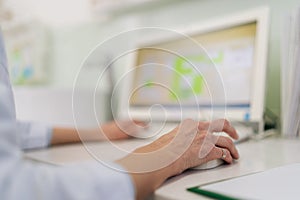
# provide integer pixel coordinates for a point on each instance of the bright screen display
(164, 76)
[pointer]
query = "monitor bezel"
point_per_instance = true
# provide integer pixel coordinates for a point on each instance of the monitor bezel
(261, 17)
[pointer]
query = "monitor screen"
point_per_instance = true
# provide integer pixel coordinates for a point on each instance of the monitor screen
(166, 78)
(224, 71)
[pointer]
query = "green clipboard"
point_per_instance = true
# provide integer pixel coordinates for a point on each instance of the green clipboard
(210, 194)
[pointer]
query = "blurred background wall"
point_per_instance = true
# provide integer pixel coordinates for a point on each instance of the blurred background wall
(47, 40)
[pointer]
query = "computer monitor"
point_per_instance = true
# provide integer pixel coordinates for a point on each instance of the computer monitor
(172, 78)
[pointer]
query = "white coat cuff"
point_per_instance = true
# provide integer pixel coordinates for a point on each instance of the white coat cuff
(34, 135)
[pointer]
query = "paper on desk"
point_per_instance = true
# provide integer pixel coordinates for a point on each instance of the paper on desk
(278, 183)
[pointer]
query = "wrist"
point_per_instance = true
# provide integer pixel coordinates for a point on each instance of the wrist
(146, 177)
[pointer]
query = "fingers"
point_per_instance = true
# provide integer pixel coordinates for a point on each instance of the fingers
(214, 147)
(220, 125)
(220, 153)
(140, 123)
(224, 154)
(227, 143)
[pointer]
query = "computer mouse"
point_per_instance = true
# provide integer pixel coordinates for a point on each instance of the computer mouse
(210, 164)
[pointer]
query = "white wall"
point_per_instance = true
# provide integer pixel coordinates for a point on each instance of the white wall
(187, 12)
(54, 106)
(52, 12)
(192, 11)
(70, 44)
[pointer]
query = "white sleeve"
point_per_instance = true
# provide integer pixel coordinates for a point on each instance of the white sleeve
(34, 134)
(21, 179)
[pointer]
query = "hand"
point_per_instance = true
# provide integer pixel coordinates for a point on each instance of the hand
(192, 144)
(188, 145)
(116, 130)
(210, 147)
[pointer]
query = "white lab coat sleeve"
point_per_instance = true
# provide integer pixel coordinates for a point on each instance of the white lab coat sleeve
(22, 179)
(34, 134)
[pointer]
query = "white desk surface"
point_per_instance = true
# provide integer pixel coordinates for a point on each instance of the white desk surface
(255, 156)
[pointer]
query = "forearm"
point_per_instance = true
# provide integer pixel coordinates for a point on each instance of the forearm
(146, 182)
(71, 135)
(64, 135)
(150, 166)
(107, 131)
